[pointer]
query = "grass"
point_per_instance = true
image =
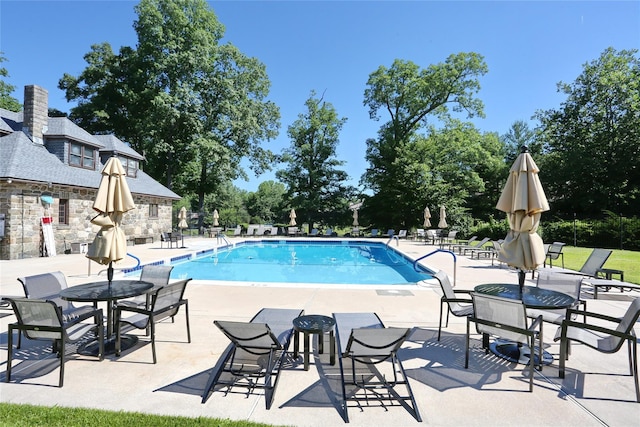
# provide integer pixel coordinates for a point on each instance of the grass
(627, 261)
(31, 415)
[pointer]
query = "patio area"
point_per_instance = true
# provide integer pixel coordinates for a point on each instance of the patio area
(597, 389)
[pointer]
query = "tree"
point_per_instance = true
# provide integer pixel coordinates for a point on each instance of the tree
(518, 135)
(192, 106)
(267, 204)
(7, 101)
(410, 95)
(593, 162)
(314, 183)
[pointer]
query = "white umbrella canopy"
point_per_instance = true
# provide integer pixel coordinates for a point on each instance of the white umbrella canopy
(427, 216)
(216, 217)
(292, 217)
(113, 199)
(182, 218)
(523, 200)
(443, 217)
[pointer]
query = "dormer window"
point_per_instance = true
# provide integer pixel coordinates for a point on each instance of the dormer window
(130, 165)
(82, 156)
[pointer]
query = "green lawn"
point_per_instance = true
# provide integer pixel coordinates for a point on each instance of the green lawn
(29, 415)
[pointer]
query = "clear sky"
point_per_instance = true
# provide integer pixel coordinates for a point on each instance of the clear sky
(333, 46)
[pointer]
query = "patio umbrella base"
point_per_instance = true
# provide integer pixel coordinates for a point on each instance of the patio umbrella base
(126, 342)
(518, 353)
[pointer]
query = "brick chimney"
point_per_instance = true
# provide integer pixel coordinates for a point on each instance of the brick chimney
(36, 112)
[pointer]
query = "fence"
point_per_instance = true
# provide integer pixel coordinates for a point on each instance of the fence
(613, 232)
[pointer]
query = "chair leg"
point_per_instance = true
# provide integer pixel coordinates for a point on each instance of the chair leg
(466, 353)
(563, 354)
(635, 368)
(62, 356)
(186, 312)
(10, 352)
(440, 323)
(153, 339)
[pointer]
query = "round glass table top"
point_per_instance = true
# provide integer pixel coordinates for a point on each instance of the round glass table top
(531, 296)
(105, 291)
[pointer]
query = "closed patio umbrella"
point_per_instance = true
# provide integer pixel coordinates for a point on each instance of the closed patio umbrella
(112, 201)
(292, 217)
(216, 217)
(427, 216)
(523, 200)
(443, 217)
(182, 223)
(355, 218)
(182, 218)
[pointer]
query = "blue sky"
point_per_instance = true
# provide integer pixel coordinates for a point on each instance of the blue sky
(332, 47)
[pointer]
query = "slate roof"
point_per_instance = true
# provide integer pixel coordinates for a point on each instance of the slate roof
(21, 159)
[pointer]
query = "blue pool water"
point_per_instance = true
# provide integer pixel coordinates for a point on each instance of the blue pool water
(335, 262)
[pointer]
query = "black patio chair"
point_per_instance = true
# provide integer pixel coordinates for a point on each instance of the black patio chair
(43, 320)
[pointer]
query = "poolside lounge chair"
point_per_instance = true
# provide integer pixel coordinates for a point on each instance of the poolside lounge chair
(462, 250)
(165, 303)
(43, 320)
(374, 232)
(328, 232)
(459, 301)
(454, 246)
(390, 233)
(419, 234)
(402, 234)
(592, 265)
(505, 318)
(314, 232)
(606, 335)
(255, 356)
(292, 231)
(365, 342)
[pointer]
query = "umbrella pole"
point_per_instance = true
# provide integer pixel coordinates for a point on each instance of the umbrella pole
(521, 276)
(110, 272)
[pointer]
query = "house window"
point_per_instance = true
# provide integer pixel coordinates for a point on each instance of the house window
(153, 210)
(63, 211)
(130, 165)
(82, 156)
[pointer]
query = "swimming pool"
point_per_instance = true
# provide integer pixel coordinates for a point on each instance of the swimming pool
(287, 261)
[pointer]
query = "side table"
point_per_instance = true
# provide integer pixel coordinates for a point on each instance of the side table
(314, 324)
(609, 272)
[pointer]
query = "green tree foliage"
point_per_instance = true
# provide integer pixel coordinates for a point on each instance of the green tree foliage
(267, 204)
(593, 139)
(7, 101)
(193, 107)
(520, 134)
(315, 185)
(398, 171)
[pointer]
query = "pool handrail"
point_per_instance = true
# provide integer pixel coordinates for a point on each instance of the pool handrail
(455, 262)
(393, 237)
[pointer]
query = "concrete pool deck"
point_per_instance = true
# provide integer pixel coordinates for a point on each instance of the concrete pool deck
(597, 390)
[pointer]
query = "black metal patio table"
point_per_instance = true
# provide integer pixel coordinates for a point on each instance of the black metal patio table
(314, 324)
(109, 292)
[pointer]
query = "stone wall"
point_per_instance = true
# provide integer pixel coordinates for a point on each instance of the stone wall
(23, 209)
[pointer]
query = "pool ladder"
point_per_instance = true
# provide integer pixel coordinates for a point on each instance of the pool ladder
(393, 237)
(455, 261)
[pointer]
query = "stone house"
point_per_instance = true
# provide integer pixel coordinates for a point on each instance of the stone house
(50, 170)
